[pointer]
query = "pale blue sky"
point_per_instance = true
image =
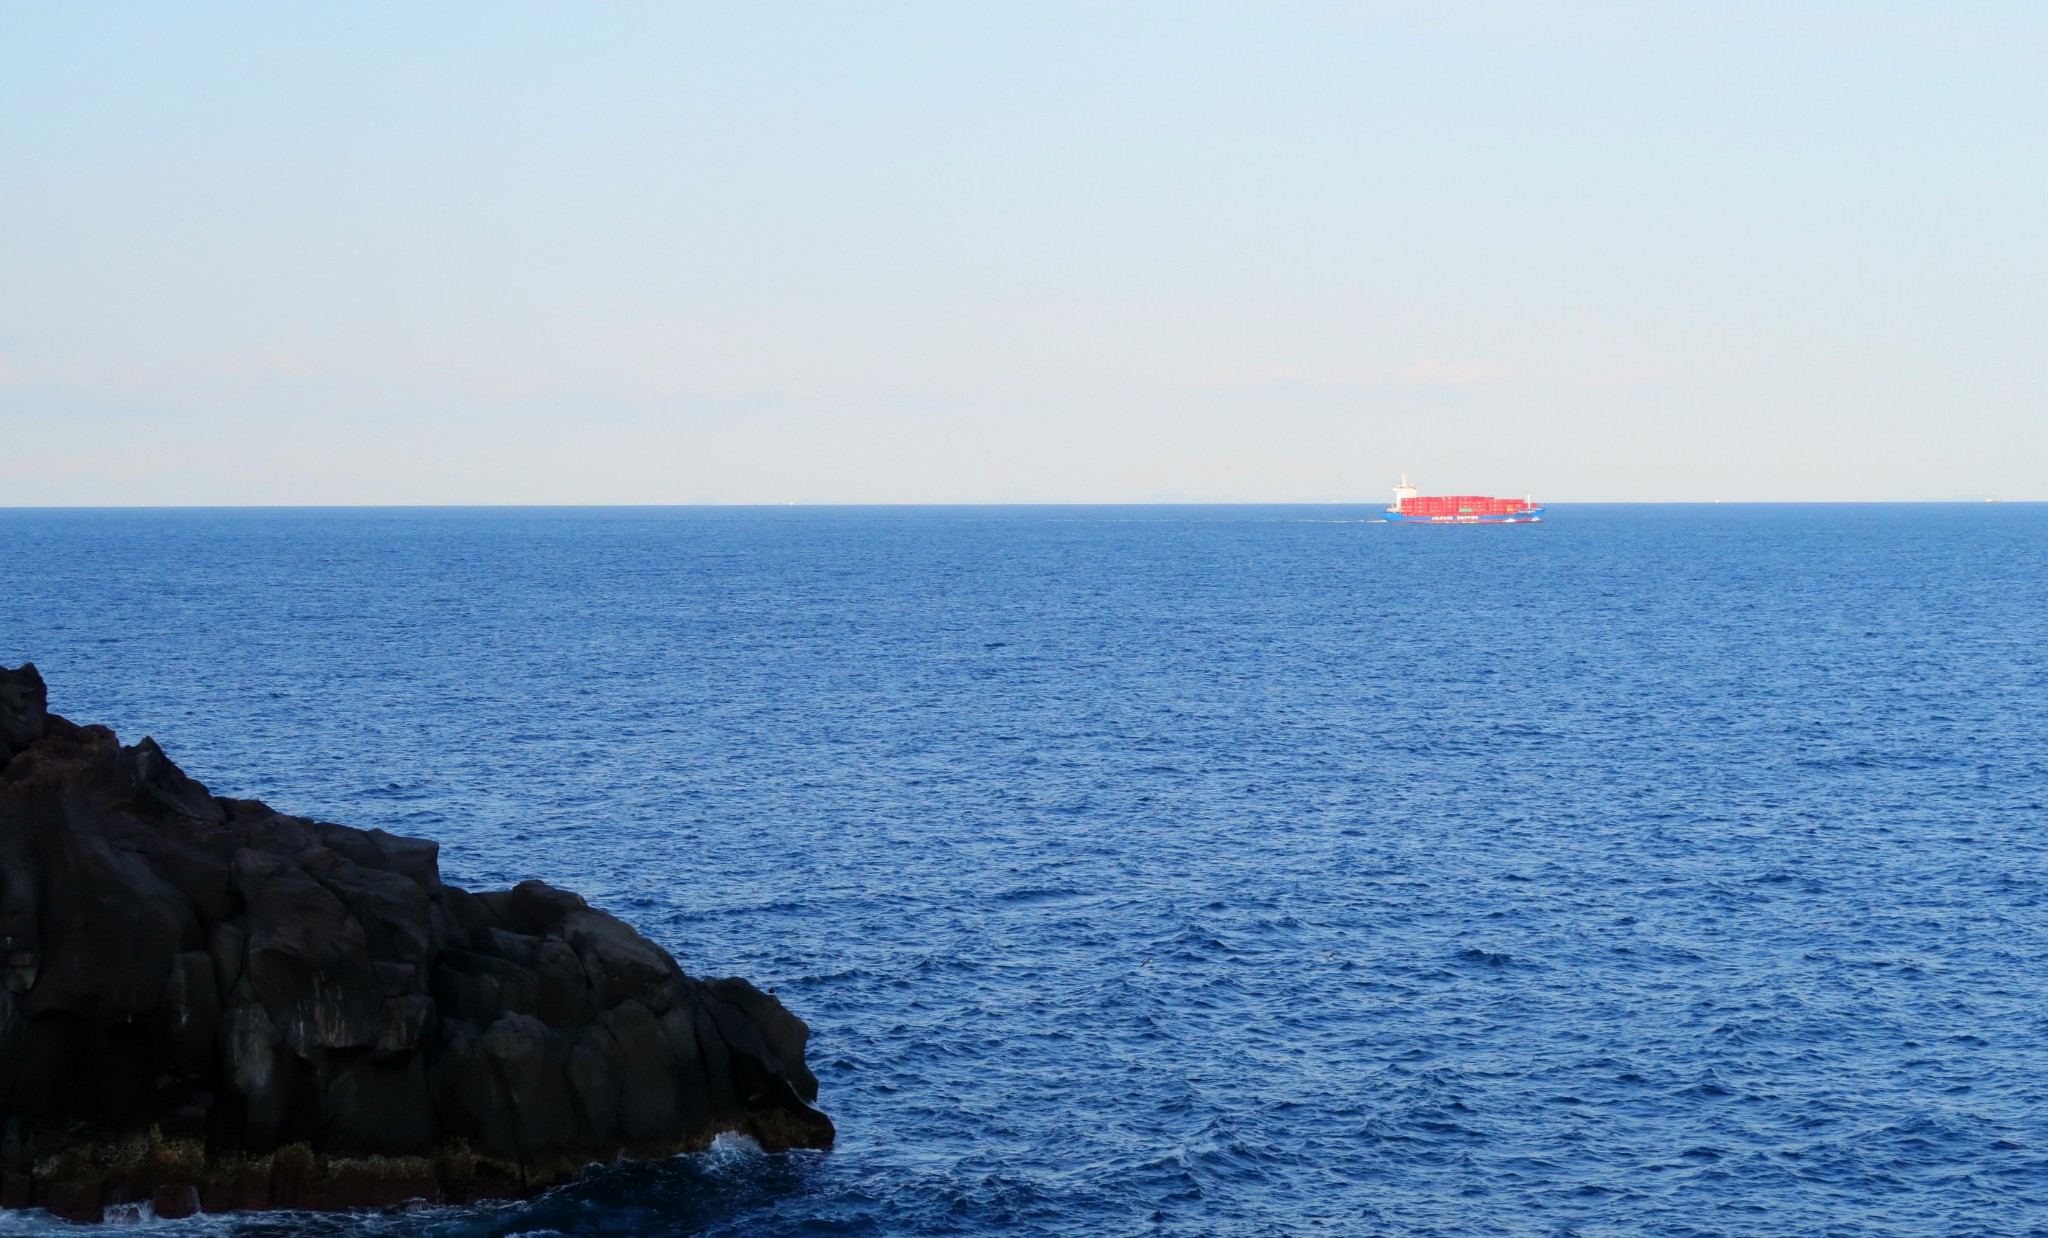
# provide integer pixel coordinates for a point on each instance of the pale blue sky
(971, 252)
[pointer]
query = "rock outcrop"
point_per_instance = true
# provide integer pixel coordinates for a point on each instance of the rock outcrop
(210, 1005)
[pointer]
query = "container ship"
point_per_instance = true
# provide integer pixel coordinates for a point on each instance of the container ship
(1412, 506)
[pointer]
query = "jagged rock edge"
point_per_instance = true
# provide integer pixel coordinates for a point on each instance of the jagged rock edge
(210, 1005)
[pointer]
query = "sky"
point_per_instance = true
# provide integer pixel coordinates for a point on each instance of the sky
(1028, 252)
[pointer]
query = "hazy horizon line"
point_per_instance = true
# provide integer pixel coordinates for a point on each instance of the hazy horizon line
(1374, 504)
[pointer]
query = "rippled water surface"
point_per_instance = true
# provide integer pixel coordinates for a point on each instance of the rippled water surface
(1195, 871)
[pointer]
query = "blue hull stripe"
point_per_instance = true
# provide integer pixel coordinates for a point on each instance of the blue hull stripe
(1530, 516)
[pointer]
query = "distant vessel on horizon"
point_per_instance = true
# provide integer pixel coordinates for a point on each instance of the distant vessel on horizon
(1412, 506)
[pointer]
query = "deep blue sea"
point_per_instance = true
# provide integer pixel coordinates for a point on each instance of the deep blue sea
(1673, 870)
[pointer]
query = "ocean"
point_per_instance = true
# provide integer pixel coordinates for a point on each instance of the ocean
(1659, 870)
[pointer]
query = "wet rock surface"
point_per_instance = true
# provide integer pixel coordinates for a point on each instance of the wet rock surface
(206, 1004)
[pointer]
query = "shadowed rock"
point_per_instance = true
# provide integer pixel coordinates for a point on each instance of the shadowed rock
(207, 1004)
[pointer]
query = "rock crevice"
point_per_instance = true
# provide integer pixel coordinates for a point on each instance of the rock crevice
(209, 1004)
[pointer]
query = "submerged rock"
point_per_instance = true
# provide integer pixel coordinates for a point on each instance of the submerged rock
(210, 1005)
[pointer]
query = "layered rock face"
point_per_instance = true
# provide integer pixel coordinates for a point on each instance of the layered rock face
(208, 1004)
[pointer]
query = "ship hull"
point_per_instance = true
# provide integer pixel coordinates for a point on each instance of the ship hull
(1531, 515)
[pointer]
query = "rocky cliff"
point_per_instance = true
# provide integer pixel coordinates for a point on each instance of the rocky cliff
(208, 1004)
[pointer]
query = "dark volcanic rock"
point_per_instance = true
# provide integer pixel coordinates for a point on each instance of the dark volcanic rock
(207, 1004)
